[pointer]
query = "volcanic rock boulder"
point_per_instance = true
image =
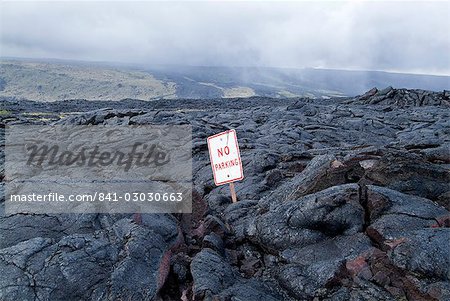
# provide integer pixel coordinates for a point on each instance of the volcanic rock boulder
(410, 231)
(393, 214)
(313, 218)
(425, 252)
(128, 260)
(410, 174)
(320, 269)
(215, 279)
(404, 97)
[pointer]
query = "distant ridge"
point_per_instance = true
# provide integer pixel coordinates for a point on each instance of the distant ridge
(51, 80)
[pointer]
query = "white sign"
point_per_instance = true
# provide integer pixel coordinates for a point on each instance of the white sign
(225, 157)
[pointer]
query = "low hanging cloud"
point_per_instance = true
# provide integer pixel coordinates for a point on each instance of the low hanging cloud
(393, 36)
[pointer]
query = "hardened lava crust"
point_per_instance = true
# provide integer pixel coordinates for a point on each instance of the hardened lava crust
(343, 199)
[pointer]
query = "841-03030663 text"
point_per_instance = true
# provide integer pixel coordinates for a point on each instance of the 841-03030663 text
(100, 197)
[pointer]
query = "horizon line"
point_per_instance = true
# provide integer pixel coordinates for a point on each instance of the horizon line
(142, 65)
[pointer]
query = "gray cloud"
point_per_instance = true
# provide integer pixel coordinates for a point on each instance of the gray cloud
(394, 36)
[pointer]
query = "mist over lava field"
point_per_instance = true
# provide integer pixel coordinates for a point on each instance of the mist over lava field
(51, 80)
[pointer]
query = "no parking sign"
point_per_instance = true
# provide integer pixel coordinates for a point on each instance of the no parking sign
(225, 158)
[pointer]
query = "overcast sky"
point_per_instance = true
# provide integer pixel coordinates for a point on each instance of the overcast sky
(393, 36)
